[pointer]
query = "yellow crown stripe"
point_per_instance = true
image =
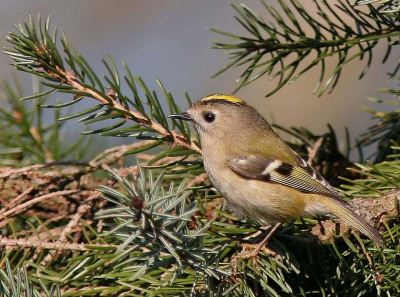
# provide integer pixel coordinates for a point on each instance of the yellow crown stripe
(223, 97)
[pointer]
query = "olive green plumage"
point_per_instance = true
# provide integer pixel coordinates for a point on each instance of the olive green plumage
(257, 172)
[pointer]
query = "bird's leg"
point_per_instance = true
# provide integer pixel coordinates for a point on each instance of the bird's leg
(254, 253)
(267, 238)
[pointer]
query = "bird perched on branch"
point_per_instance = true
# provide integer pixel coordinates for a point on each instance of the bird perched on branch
(257, 172)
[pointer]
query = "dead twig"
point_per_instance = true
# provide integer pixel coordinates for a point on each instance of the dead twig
(115, 153)
(198, 180)
(7, 172)
(24, 206)
(312, 152)
(82, 210)
(17, 200)
(61, 246)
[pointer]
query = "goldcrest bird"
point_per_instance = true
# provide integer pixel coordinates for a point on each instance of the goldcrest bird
(257, 172)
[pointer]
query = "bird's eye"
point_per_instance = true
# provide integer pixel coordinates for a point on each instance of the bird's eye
(209, 117)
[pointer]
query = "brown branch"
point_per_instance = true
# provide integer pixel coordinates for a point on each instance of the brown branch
(136, 116)
(100, 224)
(17, 200)
(82, 210)
(24, 206)
(312, 152)
(198, 180)
(61, 246)
(114, 154)
(7, 172)
(109, 156)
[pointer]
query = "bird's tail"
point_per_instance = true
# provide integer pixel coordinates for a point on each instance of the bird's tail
(347, 214)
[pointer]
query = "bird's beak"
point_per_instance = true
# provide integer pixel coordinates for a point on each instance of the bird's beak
(181, 116)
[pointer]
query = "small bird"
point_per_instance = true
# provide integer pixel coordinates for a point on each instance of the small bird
(259, 175)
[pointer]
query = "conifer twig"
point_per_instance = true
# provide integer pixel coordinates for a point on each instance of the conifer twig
(312, 152)
(38, 49)
(278, 46)
(115, 153)
(199, 179)
(178, 139)
(22, 207)
(81, 211)
(17, 200)
(61, 246)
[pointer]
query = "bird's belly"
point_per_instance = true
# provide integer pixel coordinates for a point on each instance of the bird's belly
(258, 199)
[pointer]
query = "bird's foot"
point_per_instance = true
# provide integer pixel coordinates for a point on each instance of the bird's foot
(251, 251)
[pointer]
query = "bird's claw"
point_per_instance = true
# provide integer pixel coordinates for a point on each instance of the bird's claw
(250, 251)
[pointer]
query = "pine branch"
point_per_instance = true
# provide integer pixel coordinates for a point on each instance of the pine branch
(56, 246)
(22, 207)
(19, 283)
(386, 133)
(385, 6)
(25, 138)
(156, 242)
(164, 223)
(378, 178)
(158, 238)
(278, 49)
(110, 100)
(35, 51)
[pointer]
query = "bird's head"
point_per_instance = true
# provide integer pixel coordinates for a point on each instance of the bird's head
(218, 117)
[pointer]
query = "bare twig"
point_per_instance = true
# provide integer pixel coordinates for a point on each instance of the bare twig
(17, 200)
(24, 206)
(115, 153)
(61, 246)
(199, 179)
(82, 210)
(8, 172)
(312, 152)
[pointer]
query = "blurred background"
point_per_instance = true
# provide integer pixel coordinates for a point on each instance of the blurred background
(168, 40)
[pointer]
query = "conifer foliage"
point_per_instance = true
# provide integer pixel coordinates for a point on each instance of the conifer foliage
(157, 227)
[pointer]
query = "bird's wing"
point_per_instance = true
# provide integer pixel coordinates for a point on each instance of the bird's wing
(299, 176)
